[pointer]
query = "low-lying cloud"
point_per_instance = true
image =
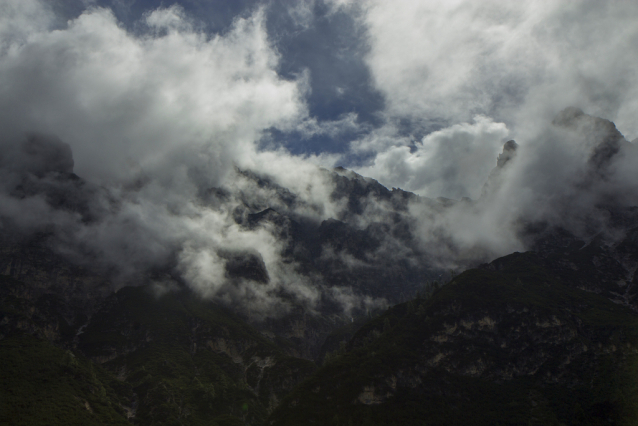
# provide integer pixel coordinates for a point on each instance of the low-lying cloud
(168, 130)
(452, 162)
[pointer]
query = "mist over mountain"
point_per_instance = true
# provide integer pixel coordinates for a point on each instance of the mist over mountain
(343, 239)
(207, 203)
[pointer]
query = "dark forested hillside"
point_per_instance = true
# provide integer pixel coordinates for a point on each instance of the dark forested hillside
(526, 339)
(154, 359)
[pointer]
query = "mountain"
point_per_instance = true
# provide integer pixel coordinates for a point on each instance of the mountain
(521, 340)
(157, 359)
(334, 302)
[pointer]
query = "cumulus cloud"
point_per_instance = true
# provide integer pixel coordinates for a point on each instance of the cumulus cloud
(120, 99)
(20, 20)
(158, 119)
(164, 125)
(448, 60)
(168, 127)
(441, 63)
(452, 162)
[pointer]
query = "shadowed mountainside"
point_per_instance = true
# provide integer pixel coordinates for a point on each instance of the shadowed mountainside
(116, 329)
(522, 340)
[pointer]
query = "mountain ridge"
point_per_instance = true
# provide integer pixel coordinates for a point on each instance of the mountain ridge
(308, 290)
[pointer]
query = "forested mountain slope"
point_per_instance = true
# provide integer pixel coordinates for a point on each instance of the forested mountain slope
(526, 339)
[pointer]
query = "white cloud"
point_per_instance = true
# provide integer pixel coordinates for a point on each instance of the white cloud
(442, 59)
(452, 162)
(162, 117)
(172, 19)
(157, 118)
(19, 20)
(119, 99)
(439, 63)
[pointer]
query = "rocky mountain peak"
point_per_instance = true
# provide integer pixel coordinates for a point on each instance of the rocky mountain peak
(494, 180)
(39, 154)
(509, 151)
(599, 135)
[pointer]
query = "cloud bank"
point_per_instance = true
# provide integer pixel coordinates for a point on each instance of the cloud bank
(154, 121)
(440, 63)
(124, 101)
(171, 130)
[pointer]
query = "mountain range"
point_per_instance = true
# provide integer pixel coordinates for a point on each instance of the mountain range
(362, 305)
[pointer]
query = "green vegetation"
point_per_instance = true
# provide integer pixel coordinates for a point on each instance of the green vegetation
(171, 360)
(190, 361)
(517, 342)
(513, 345)
(45, 385)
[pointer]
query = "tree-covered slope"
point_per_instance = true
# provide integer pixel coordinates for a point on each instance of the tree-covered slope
(189, 361)
(46, 385)
(511, 343)
(141, 358)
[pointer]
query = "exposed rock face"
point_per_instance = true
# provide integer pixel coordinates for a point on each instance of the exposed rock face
(518, 329)
(246, 265)
(509, 151)
(495, 178)
(333, 253)
(39, 155)
(601, 136)
(37, 273)
(351, 250)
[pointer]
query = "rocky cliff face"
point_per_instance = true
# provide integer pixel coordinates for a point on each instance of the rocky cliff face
(602, 138)
(496, 176)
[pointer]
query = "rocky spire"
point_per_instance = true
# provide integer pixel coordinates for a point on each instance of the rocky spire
(494, 180)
